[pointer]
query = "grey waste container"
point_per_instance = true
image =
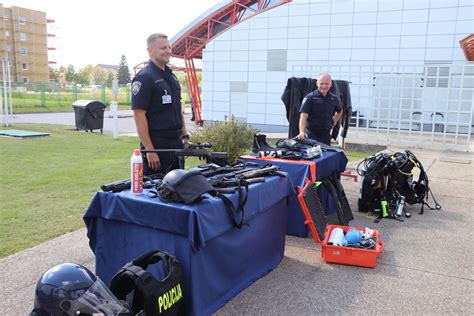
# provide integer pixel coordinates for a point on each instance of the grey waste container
(89, 115)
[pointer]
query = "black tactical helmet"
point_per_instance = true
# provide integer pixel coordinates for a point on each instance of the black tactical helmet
(71, 289)
(183, 186)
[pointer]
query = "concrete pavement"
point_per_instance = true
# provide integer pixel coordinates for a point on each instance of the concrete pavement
(426, 268)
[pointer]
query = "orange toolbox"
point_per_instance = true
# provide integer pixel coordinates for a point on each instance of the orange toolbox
(321, 231)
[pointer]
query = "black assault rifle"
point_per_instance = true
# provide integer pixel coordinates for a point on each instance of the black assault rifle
(148, 183)
(194, 150)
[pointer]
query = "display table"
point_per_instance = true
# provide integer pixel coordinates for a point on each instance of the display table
(218, 260)
(313, 170)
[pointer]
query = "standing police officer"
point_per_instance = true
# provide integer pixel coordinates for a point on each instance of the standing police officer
(319, 111)
(156, 103)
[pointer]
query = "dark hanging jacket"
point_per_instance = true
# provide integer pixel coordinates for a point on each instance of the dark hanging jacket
(297, 88)
(342, 90)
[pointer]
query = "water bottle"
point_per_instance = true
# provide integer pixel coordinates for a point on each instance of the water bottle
(136, 168)
(400, 206)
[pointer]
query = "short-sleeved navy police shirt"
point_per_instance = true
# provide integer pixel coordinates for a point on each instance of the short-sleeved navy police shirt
(159, 93)
(320, 110)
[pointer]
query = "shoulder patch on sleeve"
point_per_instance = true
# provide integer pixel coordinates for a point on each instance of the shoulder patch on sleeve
(136, 87)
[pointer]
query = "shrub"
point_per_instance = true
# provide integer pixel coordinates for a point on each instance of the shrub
(230, 136)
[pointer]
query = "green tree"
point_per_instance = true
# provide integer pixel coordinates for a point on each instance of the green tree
(110, 78)
(99, 76)
(84, 75)
(123, 75)
(70, 74)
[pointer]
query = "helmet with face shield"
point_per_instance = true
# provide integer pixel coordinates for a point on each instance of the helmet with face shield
(71, 289)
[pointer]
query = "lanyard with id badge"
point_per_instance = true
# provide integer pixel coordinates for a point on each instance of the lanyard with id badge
(166, 98)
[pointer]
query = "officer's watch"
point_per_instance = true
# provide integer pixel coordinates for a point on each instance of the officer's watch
(186, 136)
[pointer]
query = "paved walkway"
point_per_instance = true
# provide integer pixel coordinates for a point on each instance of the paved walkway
(426, 268)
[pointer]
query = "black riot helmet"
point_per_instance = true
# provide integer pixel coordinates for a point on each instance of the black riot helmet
(71, 289)
(183, 186)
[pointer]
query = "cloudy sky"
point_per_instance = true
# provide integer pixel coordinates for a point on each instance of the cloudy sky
(99, 32)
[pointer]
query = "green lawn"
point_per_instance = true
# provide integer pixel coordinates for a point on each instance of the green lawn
(47, 182)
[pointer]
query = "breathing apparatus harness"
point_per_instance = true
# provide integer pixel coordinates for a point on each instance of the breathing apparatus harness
(388, 180)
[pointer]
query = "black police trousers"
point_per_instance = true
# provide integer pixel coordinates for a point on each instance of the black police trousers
(321, 135)
(168, 161)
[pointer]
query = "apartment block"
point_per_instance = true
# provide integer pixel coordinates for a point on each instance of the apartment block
(24, 41)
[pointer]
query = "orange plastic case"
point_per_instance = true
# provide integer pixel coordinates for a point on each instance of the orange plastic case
(336, 254)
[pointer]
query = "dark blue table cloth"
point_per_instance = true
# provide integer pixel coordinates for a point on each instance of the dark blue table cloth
(299, 170)
(218, 260)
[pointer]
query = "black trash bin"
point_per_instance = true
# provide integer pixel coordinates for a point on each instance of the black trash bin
(89, 115)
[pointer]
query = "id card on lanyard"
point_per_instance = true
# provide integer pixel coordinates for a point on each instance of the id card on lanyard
(166, 98)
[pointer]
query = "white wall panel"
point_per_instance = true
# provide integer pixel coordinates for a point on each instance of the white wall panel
(390, 5)
(362, 54)
(297, 43)
(465, 26)
(318, 43)
(221, 86)
(274, 119)
(239, 35)
(387, 42)
(221, 46)
(296, 9)
(417, 54)
(279, 21)
(443, 3)
(296, 21)
(275, 87)
(222, 66)
(257, 87)
(340, 42)
(339, 54)
(341, 19)
(415, 16)
(276, 76)
(319, 20)
(277, 43)
(444, 14)
(320, 8)
(386, 54)
(221, 96)
(365, 6)
(279, 11)
(440, 41)
(418, 4)
(466, 13)
(363, 42)
(255, 97)
(298, 32)
(364, 30)
(441, 28)
(239, 66)
(416, 41)
(218, 106)
(239, 75)
(221, 56)
(208, 64)
(256, 118)
(257, 65)
(244, 25)
(220, 76)
(258, 55)
(341, 30)
(239, 56)
(277, 33)
(318, 54)
(298, 54)
(255, 24)
(258, 44)
(439, 54)
(365, 18)
(259, 76)
(258, 34)
(319, 31)
(389, 29)
(342, 6)
(413, 29)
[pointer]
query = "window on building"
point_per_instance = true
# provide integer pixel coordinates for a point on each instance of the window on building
(24, 66)
(21, 20)
(25, 79)
(23, 51)
(22, 36)
(7, 33)
(6, 17)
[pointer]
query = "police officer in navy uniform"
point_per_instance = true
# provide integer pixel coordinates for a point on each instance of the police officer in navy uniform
(319, 111)
(156, 103)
